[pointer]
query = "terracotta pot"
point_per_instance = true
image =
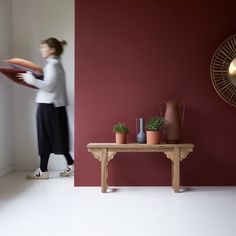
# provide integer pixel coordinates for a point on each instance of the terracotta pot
(153, 137)
(121, 138)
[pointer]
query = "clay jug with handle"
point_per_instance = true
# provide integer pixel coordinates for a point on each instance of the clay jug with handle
(174, 124)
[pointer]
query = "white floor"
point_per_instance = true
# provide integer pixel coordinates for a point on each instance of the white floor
(55, 207)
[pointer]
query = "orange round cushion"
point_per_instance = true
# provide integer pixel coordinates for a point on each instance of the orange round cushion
(25, 63)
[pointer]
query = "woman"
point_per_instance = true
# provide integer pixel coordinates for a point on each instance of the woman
(52, 124)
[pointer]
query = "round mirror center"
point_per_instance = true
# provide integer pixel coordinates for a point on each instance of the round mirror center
(232, 72)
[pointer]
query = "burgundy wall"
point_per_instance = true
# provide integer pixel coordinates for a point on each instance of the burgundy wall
(130, 55)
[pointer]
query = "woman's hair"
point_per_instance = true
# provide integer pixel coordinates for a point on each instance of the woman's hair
(56, 44)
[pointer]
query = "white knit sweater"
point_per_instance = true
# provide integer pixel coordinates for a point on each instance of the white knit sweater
(52, 88)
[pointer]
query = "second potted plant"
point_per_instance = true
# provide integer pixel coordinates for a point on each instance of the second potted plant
(153, 127)
(121, 131)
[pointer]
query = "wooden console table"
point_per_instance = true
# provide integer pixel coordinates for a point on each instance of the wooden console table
(104, 152)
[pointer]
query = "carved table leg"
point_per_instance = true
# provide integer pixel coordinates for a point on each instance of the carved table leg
(177, 155)
(176, 169)
(104, 156)
(104, 175)
(172, 174)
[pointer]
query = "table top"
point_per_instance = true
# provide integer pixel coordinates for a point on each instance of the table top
(139, 147)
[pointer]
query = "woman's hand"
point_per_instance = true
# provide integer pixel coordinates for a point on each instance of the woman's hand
(27, 77)
(20, 76)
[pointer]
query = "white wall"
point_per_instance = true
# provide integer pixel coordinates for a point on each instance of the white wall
(32, 21)
(6, 160)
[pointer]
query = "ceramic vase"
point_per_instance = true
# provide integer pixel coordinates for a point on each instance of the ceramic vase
(141, 135)
(173, 127)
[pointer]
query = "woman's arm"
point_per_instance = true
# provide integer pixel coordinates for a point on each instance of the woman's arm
(48, 84)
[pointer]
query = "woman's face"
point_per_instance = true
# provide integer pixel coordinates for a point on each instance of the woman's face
(46, 51)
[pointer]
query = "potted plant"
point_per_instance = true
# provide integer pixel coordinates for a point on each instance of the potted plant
(153, 127)
(121, 131)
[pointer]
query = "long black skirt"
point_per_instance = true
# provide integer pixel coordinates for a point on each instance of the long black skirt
(52, 129)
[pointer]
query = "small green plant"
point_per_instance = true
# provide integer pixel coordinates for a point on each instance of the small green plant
(120, 128)
(155, 123)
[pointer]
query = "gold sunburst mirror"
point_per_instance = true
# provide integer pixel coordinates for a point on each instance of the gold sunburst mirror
(223, 70)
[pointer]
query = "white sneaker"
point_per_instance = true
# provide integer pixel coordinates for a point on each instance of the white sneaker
(68, 171)
(38, 174)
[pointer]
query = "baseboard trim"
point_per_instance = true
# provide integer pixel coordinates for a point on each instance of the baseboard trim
(21, 167)
(33, 167)
(6, 170)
